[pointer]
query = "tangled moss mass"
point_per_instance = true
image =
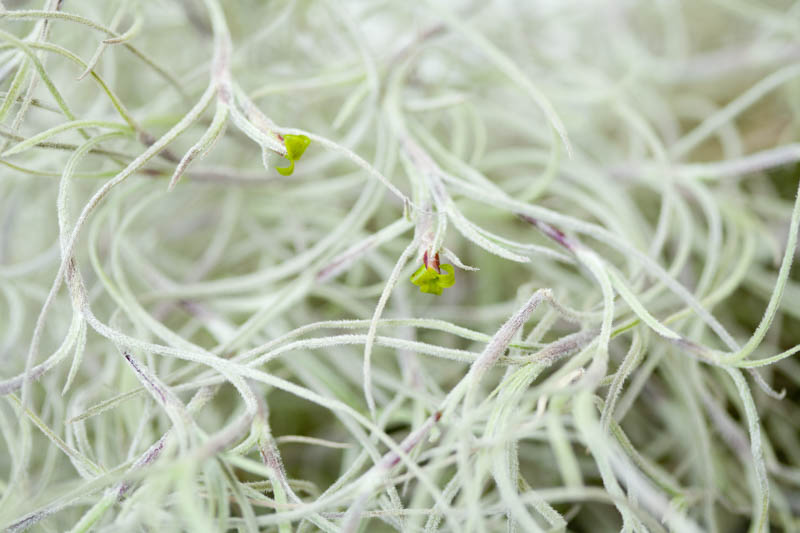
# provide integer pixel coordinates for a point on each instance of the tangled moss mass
(192, 339)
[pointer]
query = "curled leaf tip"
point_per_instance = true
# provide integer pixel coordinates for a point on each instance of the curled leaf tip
(432, 282)
(286, 171)
(295, 148)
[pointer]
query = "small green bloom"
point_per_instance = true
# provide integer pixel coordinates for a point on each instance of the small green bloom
(432, 282)
(295, 147)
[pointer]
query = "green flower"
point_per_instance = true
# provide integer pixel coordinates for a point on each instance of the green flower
(295, 146)
(432, 282)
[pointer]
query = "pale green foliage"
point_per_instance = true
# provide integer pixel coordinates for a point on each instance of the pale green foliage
(615, 183)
